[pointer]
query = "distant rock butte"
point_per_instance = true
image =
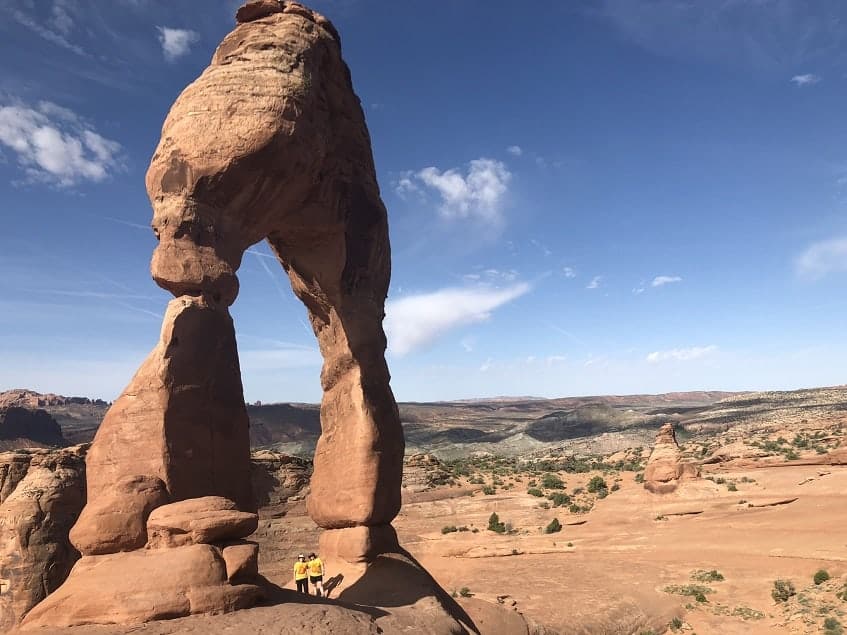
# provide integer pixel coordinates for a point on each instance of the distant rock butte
(269, 143)
(23, 398)
(28, 427)
(666, 467)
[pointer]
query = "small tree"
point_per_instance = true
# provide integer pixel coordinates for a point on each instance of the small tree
(554, 527)
(495, 525)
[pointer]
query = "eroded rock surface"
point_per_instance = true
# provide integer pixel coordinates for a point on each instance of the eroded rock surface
(666, 467)
(41, 495)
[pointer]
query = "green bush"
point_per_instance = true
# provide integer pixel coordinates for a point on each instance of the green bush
(465, 592)
(495, 525)
(821, 576)
(675, 624)
(534, 491)
(832, 626)
(488, 490)
(732, 487)
(554, 527)
(782, 590)
(559, 499)
(449, 529)
(707, 576)
(639, 478)
(551, 481)
(597, 484)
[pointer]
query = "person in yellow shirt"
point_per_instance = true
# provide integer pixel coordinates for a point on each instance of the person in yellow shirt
(316, 574)
(301, 574)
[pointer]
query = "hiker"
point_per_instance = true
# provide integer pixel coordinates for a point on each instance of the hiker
(301, 574)
(316, 574)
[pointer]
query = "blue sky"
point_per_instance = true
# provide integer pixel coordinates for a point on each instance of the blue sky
(585, 198)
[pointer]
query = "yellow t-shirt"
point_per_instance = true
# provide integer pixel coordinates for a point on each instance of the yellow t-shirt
(300, 569)
(316, 567)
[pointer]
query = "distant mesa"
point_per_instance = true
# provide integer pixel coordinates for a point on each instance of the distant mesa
(23, 398)
(33, 428)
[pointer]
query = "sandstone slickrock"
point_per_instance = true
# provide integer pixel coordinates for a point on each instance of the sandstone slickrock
(424, 471)
(665, 467)
(270, 142)
(41, 495)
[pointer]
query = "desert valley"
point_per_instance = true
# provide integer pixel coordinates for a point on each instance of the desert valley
(582, 546)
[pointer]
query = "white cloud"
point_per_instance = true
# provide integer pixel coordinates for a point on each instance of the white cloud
(477, 194)
(660, 281)
(822, 258)
(568, 272)
(681, 354)
(552, 360)
(515, 150)
(417, 320)
(176, 42)
(805, 80)
(595, 282)
(54, 145)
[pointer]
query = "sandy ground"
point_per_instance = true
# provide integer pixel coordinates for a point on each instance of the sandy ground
(609, 574)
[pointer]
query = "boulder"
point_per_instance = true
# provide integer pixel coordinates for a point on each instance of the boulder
(143, 585)
(114, 523)
(198, 521)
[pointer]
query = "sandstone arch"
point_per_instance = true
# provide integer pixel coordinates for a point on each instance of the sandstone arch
(269, 143)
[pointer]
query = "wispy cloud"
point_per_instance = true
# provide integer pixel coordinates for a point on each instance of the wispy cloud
(595, 282)
(515, 151)
(681, 354)
(568, 272)
(477, 193)
(56, 30)
(56, 146)
(765, 35)
(660, 281)
(176, 42)
(822, 258)
(806, 80)
(415, 321)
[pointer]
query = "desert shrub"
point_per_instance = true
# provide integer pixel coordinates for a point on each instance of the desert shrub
(602, 493)
(616, 487)
(800, 441)
(554, 527)
(597, 484)
(463, 528)
(782, 590)
(559, 499)
(782, 440)
(732, 487)
(697, 591)
(579, 490)
(534, 491)
(449, 529)
(544, 505)
(495, 525)
(791, 455)
(532, 483)
(707, 576)
(720, 480)
(488, 490)
(661, 517)
(832, 626)
(465, 592)
(551, 481)
(639, 478)
(842, 594)
(821, 576)
(675, 624)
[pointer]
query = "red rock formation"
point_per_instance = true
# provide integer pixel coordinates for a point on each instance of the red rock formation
(41, 495)
(665, 467)
(268, 143)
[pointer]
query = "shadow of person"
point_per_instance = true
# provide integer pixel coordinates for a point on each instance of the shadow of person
(332, 583)
(275, 594)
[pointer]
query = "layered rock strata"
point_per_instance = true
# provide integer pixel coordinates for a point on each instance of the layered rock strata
(41, 495)
(666, 468)
(269, 143)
